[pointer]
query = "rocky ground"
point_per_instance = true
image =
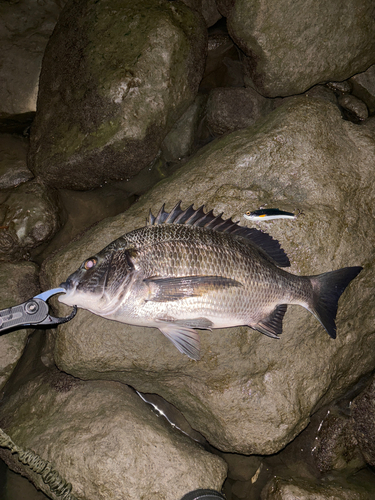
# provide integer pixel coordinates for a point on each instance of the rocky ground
(110, 108)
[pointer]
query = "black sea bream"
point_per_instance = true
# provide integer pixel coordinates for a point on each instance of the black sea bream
(187, 270)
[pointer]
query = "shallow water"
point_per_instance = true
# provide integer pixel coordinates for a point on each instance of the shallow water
(15, 487)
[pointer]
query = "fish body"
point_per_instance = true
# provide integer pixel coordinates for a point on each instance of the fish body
(190, 270)
(268, 214)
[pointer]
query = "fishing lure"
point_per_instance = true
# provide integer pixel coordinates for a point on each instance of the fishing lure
(269, 214)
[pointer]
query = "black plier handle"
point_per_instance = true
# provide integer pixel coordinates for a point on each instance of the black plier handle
(33, 312)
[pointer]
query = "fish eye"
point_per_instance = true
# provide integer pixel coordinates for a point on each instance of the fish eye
(248, 212)
(90, 263)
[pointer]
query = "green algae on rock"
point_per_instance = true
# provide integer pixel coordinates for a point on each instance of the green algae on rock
(116, 76)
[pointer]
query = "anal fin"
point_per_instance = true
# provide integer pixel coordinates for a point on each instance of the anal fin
(184, 338)
(272, 325)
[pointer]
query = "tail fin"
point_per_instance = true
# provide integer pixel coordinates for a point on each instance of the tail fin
(327, 289)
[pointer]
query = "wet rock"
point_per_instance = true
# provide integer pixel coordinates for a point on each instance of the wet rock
(28, 218)
(116, 76)
(104, 440)
(327, 445)
(364, 87)
(18, 282)
(251, 394)
(340, 87)
(230, 109)
(295, 45)
(336, 447)
(363, 413)
(25, 29)
(180, 141)
(164, 409)
(16, 486)
(287, 489)
(353, 108)
(13, 169)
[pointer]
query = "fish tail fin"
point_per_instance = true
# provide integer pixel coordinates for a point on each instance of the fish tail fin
(327, 290)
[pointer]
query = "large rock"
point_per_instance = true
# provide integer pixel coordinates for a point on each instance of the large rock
(24, 31)
(104, 440)
(249, 393)
(292, 45)
(28, 218)
(116, 76)
(18, 283)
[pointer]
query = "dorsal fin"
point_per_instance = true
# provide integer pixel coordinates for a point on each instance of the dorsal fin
(199, 218)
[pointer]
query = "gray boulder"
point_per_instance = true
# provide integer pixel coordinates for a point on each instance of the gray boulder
(28, 218)
(251, 394)
(292, 45)
(104, 440)
(24, 31)
(230, 109)
(18, 283)
(116, 76)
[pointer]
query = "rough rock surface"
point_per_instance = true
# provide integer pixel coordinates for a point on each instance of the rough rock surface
(363, 412)
(249, 393)
(13, 169)
(18, 282)
(116, 76)
(290, 489)
(353, 108)
(24, 31)
(364, 87)
(180, 141)
(230, 109)
(327, 446)
(28, 218)
(105, 441)
(293, 45)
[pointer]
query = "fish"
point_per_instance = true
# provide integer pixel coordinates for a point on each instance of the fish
(188, 270)
(269, 214)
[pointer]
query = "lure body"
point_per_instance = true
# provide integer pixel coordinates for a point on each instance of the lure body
(268, 214)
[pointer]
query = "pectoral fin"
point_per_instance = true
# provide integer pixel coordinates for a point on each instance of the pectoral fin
(184, 338)
(272, 325)
(170, 289)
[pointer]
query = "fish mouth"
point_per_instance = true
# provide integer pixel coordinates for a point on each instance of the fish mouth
(64, 285)
(69, 286)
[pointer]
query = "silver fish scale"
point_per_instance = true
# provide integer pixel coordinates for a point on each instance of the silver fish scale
(178, 251)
